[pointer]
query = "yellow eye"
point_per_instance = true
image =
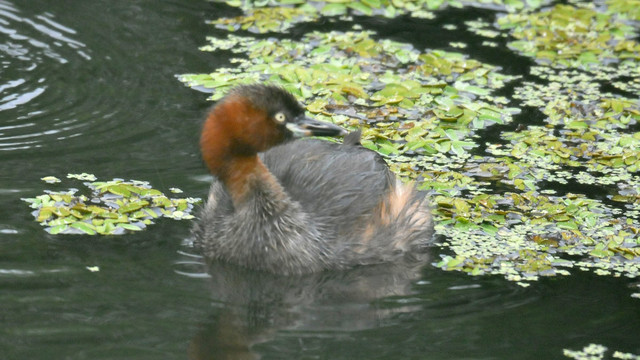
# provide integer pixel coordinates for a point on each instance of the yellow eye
(280, 118)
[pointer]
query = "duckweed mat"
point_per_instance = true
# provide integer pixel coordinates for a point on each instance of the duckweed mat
(112, 207)
(532, 174)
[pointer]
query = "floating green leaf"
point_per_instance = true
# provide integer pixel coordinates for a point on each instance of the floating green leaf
(115, 207)
(500, 206)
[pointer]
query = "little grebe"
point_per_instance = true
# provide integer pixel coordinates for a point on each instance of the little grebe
(296, 207)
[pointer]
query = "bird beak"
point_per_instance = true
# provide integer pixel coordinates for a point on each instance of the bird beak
(305, 126)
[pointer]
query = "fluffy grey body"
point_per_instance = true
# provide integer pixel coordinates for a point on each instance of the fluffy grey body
(331, 206)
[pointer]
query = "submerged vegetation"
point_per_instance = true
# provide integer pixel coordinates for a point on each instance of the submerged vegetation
(546, 196)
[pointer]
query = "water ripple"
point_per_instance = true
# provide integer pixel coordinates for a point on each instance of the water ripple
(33, 38)
(36, 51)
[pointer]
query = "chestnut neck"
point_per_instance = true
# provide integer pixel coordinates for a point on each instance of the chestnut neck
(235, 163)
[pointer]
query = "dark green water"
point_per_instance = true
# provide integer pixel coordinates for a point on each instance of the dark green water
(89, 86)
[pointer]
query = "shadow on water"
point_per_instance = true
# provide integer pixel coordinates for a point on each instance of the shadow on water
(255, 306)
(408, 312)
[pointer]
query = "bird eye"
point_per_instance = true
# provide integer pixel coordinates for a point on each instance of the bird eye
(280, 117)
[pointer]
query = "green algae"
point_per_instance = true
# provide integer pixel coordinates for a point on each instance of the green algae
(270, 19)
(110, 208)
(572, 36)
(279, 16)
(413, 102)
(595, 352)
(530, 219)
(626, 9)
(500, 207)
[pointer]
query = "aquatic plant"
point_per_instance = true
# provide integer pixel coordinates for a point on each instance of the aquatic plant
(502, 207)
(109, 208)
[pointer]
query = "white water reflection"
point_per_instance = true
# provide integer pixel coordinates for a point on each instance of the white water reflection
(33, 37)
(28, 46)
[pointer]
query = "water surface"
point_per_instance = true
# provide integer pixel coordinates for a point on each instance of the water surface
(90, 87)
